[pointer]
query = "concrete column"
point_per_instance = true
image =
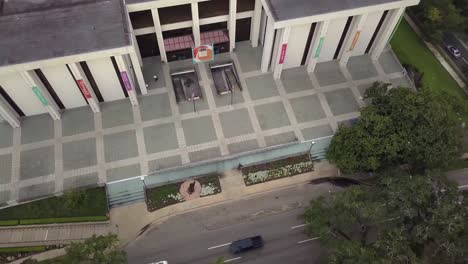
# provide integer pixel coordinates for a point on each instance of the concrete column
(125, 74)
(159, 35)
(139, 74)
(232, 24)
(196, 24)
(317, 43)
(387, 29)
(41, 93)
(352, 38)
(268, 46)
(257, 17)
(281, 52)
(85, 86)
(9, 114)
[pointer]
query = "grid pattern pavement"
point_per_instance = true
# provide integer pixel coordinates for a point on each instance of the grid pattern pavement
(84, 149)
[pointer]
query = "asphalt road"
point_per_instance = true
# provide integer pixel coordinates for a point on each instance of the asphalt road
(200, 237)
(450, 39)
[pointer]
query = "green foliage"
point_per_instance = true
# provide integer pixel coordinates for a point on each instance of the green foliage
(91, 202)
(219, 260)
(23, 249)
(399, 127)
(96, 250)
(402, 219)
(44, 221)
(9, 223)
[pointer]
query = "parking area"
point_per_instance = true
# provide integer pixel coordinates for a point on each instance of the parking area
(83, 149)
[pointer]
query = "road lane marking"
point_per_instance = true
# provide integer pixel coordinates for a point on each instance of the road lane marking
(218, 246)
(307, 240)
(46, 234)
(464, 60)
(294, 227)
(229, 260)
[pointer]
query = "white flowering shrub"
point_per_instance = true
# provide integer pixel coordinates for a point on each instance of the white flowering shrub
(178, 197)
(277, 173)
(209, 189)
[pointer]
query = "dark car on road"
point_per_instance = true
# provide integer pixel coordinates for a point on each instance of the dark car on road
(246, 244)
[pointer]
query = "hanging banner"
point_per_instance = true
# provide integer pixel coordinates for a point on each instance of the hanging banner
(203, 53)
(319, 48)
(283, 53)
(355, 40)
(126, 81)
(84, 89)
(39, 95)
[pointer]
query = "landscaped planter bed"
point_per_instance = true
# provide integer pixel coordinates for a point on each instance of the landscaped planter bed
(277, 169)
(78, 206)
(166, 195)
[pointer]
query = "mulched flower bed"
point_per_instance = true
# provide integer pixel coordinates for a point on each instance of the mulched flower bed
(277, 169)
(162, 196)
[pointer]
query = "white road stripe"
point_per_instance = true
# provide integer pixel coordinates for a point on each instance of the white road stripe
(218, 246)
(294, 227)
(307, 240)
(464, 60)
(229, 260)
(463, 186)
(46, 234)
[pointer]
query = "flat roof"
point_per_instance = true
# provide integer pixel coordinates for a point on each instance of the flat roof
(291, 9)
(34, 30)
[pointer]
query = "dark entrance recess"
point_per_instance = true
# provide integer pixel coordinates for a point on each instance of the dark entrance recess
(49, 88)
(91, 80)
(141, 19)
(148, 45)
(243, 29)
(343, 37)
(10, 101)
(218, 47)
(376, 32)
(309, 41)
(117, 72)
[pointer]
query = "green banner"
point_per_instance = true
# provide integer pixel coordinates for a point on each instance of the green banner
(319, 48)
(39, 95)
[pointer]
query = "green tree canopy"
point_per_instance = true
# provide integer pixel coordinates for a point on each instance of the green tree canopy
(400, 126)
(402, 219)
(96, 250)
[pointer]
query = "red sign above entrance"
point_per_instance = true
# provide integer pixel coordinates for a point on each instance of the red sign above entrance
(84, 89)
(283, 53)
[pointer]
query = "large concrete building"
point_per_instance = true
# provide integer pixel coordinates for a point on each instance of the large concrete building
(63, 54)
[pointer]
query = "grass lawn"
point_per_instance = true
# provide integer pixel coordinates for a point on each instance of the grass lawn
(410, 49)
(86, 203)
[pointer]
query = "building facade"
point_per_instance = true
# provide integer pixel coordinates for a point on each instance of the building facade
(61, 54)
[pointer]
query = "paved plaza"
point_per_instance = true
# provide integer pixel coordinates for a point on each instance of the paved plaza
(85, 149)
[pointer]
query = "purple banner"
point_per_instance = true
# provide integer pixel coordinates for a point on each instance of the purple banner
(126, 81)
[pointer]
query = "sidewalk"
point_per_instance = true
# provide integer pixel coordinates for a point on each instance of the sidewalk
(38, 235)
(133, 220)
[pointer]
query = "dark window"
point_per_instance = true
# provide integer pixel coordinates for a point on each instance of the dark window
(273, 49)
(91, 80)
(117, 72)
(141, 19)
(49, 88)
(214, 26)
(213, 8)
(245, 5)
(343, 37)
(174, 14)
(243, 29)
(148, 45)
(11, 102)
(376, 32)
(177, 33)
(309, 41)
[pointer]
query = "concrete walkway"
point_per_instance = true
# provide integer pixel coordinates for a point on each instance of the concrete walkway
(134, 219)
(38, 235)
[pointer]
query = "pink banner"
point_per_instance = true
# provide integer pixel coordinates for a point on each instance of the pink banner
(84, 89)
(283, 53)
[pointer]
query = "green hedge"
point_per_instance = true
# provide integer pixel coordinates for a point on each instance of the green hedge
(63, 220)
(9, 223)
(84, 203)
(23, 249)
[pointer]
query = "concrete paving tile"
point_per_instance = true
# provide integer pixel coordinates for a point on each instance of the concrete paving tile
(243, 146)
(317, 132)
(262, 86)
(5, 168)
(37, 128)
(250, 59)
(280, 139)
(361, 67)
(6, 140)
(79, 154)
(120, 146)
(389, 63)
(342, 102)
(296, 80)
(401, 82)
(329, 73)
(79, 181)
(236, 123)
(36, 191)
(193, 106)
(272, 115)
(154, 106)
(199, 130)
(228, 99)
(116, 113)
(78, 120)
(124, 172)
(164, 163)
(307, 108)
(153, 67)
(160, 138)
(37, 162)
(205, 154)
